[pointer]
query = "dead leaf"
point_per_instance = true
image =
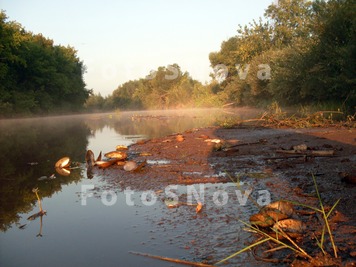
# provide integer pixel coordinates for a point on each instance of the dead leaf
(121, 147)
(99, 157)
(180, 138)
(199, 207)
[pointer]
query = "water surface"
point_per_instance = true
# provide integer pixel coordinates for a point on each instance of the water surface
(73, 234)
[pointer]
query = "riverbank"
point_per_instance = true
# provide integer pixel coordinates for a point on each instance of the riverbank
(257, 158)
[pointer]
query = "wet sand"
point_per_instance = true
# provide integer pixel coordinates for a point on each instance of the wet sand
(217, 156)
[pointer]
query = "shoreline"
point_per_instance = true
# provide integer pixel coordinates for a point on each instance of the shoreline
(215, 155)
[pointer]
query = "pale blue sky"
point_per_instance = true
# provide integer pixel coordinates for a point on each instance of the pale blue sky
(123, 40)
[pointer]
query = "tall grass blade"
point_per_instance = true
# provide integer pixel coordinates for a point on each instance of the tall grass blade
(244, 249)
(325, 217)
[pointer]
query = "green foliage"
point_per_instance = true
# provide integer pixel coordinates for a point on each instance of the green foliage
(95, 102)
(167, 87)
(290, 19)
(300, 53)
(42, 142)
(309, 47)
(37, 76)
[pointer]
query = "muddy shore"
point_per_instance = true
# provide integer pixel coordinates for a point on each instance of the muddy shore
(251, 156)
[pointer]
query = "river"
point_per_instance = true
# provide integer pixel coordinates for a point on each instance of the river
(75, 232)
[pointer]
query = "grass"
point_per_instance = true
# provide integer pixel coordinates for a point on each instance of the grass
(292, 245)
(305, 117)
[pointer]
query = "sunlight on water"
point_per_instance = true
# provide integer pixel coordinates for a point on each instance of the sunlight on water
(73, 234)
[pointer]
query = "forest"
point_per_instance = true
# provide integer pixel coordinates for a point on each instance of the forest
(299, 53)
(36, 76)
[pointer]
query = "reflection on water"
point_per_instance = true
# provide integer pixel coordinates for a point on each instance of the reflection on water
(29, 149)
(70, 232)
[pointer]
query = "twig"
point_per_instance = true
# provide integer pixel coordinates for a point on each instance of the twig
(35, 190)
(277, 241)
(322, 153)
(330, 111)
(171, 259)
(286, 157)
(262, 141)
(265, 259)
(245, 249)
(300, 156)
(290, 240)
(41, 212)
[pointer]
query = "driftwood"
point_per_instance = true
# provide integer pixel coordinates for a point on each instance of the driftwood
(305, 156)
(318, 153)
(261, 141)
(198, 264)
(286, 157)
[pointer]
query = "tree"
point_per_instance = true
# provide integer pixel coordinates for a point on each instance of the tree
(95, 102)
(289, 19)
(166, 87)
(37, 76)
(309, 48)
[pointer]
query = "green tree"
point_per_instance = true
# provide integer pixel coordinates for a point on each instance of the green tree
(125, 97)
(289, 19)
(37, 76)
(309, 48)
(331, 62)
(95, 102)
(166, 87)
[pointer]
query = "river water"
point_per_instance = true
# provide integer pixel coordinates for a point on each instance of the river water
(78, 229)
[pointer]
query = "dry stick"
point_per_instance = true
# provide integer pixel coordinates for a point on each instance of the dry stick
(246, 144)
(290, 240)
(321, 153)
(39, 201)
(41, 212)
(251, 120)
(171, 259)
(286, 157)
(300, 156)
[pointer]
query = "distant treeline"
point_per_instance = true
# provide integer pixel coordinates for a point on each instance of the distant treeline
(299, 53)
(36, 76)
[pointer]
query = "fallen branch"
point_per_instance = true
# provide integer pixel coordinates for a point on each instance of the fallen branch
(319, 153)
(261, 141)
(250, 120)
(298, 156)
(171, 259)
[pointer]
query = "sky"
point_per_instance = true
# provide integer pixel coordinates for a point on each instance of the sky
(124, 40)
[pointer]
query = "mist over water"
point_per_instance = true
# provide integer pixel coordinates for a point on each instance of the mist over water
(72, 234)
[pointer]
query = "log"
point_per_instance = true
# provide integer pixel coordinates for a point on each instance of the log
(323, 153)
(317, 153)
(286, 157)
